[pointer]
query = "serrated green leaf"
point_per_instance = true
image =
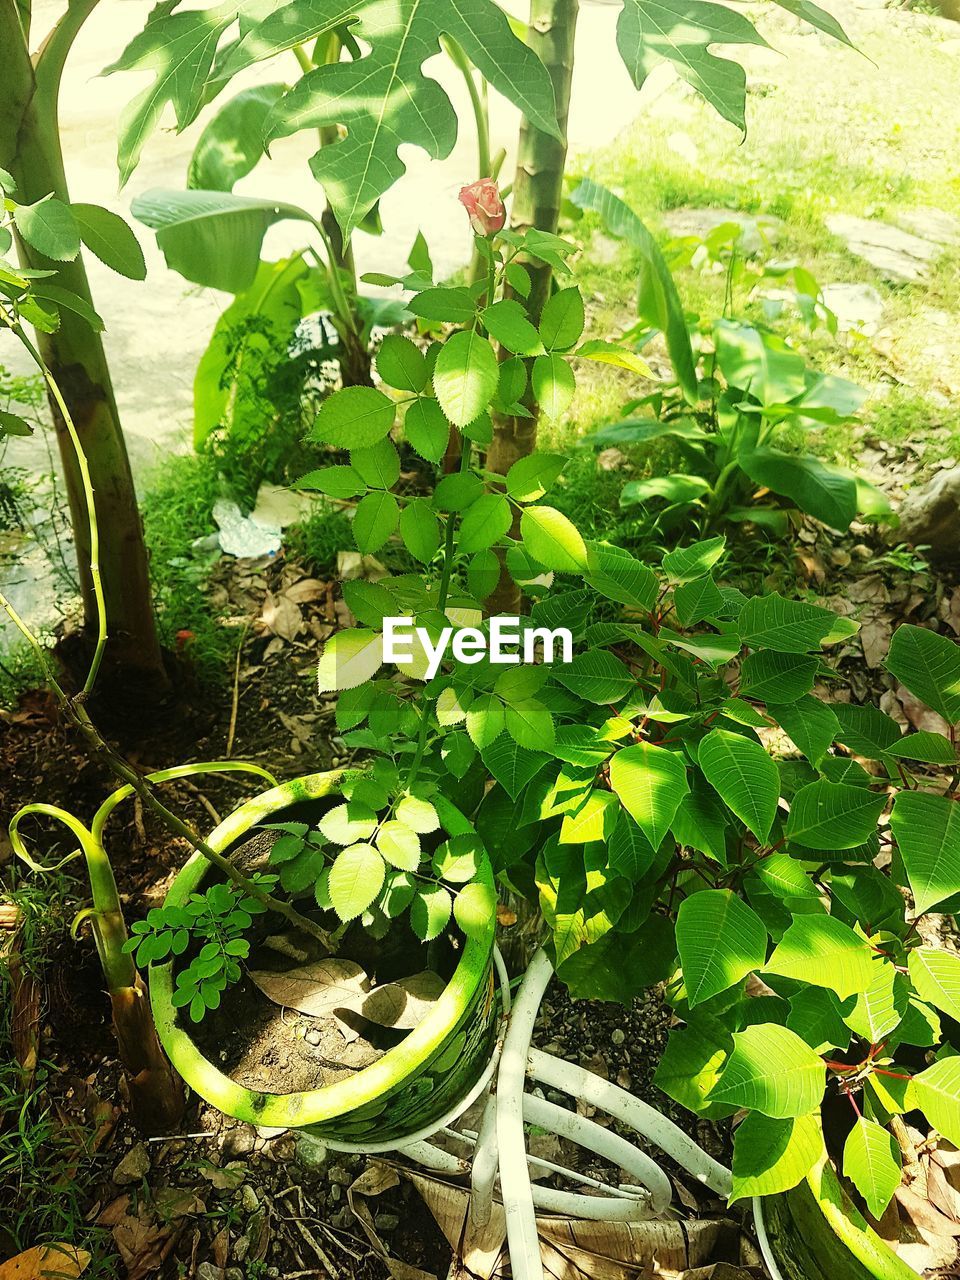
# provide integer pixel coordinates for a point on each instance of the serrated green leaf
(399, 845)
(465, 377)
(400, 363)
(554, 385)
(513, 766)
(426, 428)
(552, 540)
(350, 658)
(430, 911)
(420, 530)
(485, 522)
(49, 227)
(356, 878)
(507, 322)
(562, 319)
(475, 909)
(110, 239)
(375, 520)
(485, 720)
(529, 478)
(530, 724)
(353, 418)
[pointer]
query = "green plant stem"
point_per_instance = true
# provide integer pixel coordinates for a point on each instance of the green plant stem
(481, 115)
(101, 642)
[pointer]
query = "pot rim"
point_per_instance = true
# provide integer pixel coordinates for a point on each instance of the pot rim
(312, 1106)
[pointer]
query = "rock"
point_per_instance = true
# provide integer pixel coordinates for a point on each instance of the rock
(899, 256)
(930, 516)
(238, 1141)
(248, 1198)
(209, 1271)
(339, 1175)
(313, 1037)
(386, 1222)
(617, 1036)
(241, 1248)
(756, 230)
(932, 224)
(311, 1152)
(134, 1166)
(856, 306)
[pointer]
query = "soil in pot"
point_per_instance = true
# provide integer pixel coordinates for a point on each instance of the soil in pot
(301, 1019)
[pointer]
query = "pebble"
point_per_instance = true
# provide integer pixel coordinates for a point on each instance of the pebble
(617, 1036)
(313, 1037)
(208, 1271)
(340, 1176)
(248, 1198)
(311, 1153)
(238, 1141)
(134, 1166)
(386, 1222)
(336, 1193)
(241, 1248)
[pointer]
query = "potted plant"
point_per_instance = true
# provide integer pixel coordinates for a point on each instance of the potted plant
(360, 852)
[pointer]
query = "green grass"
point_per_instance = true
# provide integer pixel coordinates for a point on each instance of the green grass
(47, 1169)
(177, 510)
(829, 131)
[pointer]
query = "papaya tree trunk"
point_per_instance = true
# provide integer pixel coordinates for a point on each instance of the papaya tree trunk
(537, 196)
(30, 150)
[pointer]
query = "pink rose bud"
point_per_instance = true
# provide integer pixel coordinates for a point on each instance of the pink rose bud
(482, 202)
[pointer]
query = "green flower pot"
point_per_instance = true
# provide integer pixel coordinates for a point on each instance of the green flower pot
(414, 1085)
(815, 1232)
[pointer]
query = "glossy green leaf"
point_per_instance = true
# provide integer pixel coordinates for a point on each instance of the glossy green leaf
(811, 724)
(691, 1064)
(554, 384)
(929, 665)
(770, 1156)
(420, 530)
(720, 941)
(375, 519)
(833, 815)
(427, 429)
(49, 227)
(553, 540)
(744, 776)
(465, 377)
(430, 911)
(773, 1071)
(231, 145)
(650, 781)
(110, 239)
(485, 522)
(871, 1160)
(353, 418)
(936, 976)
(507, 322)
(927, 831)
(562, 319)
(777, 677)
(824, 952)
(356, 878)
(400, 363)
(529, 478)
(937, 1092)
(787, 626)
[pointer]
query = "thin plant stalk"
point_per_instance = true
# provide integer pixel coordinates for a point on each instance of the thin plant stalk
(154, 1089)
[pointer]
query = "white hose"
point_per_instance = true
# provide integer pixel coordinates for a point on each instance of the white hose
(607, 1145)
(436, 1158)
(580, 1083)
(763, 1240)
(522, 1238)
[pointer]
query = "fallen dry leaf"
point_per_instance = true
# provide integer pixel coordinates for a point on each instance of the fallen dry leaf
(318, 989)
(306, 591)
(281, 616)
(404, 1004)
(63, 1261)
